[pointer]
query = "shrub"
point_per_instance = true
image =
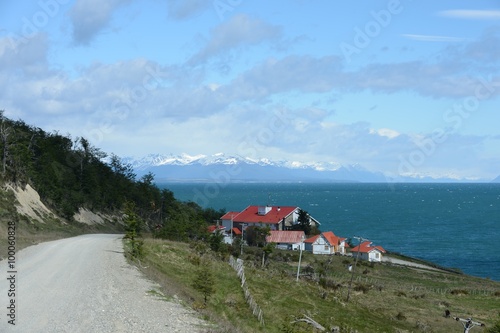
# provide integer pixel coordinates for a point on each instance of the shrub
(204, 281)
(362, 287)
(400, 316)
(328, 283)
(459, 292)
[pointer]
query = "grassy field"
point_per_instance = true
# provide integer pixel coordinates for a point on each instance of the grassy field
(384, 298)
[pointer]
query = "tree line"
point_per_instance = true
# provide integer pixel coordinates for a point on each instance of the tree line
(69, 173)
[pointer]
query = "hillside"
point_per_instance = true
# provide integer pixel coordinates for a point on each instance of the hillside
(384, 297)
(55, 186)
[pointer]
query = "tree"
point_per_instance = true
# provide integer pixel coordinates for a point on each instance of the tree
(266, 252)
(216, 241)
(303, 222)
(133, 229)
(204, 281)
(256, 236)
(4, 135)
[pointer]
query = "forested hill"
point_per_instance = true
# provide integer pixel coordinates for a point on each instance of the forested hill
(70, 173)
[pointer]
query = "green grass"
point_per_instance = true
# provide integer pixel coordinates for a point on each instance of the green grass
(384, 299)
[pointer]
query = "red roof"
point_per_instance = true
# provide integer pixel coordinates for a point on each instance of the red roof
(329, 236)
(229, 215)
(211, 228)
(275, 215)
(311, 239)
(236, 231)
(291, 237)
(366, 247)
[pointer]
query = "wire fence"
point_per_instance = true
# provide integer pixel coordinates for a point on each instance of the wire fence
(237, 265)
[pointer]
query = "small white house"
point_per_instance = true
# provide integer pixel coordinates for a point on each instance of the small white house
(367, 251)
(325, 243)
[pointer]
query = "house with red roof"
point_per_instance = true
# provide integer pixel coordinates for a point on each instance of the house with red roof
(325, 243)
(287, 240)
(275, 217)
(367, 251)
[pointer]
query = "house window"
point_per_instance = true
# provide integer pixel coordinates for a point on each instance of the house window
(377, 255)
(326, 248)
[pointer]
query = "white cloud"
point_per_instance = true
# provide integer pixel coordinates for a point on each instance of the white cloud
(183, 9)
(90, 17)
(433, 38)
(239, 30)
(472, 14)
(387, 132)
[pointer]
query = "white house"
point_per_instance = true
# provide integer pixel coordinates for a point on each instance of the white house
(275, 217)
(325, 243)
(367, 251)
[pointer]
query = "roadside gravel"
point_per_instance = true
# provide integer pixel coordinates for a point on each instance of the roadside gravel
(401, 262)
(84, 284)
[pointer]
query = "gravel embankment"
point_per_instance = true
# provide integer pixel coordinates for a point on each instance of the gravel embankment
(84, 284)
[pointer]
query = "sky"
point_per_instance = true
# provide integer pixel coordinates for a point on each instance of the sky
(401, 87)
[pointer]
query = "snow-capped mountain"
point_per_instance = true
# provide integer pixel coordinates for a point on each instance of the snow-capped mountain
(219, 167)
(236, 168)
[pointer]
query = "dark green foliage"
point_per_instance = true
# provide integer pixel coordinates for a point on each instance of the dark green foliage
(256, 236)
(304, 224)
(71, 173)
(216, 241)
(133, 230)
(204, 281)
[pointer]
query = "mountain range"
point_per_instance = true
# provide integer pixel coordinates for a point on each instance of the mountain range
(222, 168)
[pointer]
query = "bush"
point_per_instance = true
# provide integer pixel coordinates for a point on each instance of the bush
(329, 283)
(400, 316)
(204, 281)
(362, 287)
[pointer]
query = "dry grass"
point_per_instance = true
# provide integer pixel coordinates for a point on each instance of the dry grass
(384, 299)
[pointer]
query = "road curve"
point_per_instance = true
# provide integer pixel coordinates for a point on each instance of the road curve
(84, 284)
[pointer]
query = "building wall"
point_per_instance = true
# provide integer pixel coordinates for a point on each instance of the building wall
(227, 224)
(320, 246)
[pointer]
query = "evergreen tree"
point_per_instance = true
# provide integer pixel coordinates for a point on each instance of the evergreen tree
(204, 281)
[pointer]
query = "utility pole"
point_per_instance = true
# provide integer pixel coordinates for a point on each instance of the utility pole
(468, 323)
(300, 259)
(361, 239)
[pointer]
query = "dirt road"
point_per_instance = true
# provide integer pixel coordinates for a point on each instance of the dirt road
(84, 284)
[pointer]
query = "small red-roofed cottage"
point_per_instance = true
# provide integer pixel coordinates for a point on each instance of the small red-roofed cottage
(325, 243)
(368, 252)
(287, 240)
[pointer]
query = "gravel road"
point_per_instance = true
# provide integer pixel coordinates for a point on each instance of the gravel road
(407, 263)
(84, 284)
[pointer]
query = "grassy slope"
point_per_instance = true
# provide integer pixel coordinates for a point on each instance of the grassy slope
(386, 299)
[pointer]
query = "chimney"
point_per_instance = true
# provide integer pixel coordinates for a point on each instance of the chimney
(263, 210)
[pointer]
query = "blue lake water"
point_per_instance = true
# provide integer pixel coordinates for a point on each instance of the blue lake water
(454, 225)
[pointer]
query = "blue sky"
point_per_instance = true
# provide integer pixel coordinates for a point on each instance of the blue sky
(401, 87)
